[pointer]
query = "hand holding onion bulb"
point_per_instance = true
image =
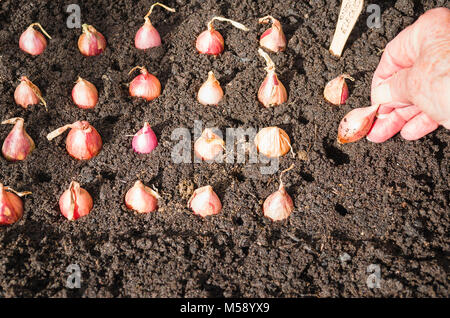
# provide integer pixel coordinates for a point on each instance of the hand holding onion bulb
(145, 85)
(147, 36)
(210, 93)
(27, 94)
(273, 39)
(205, 202)
(141, 199)
(18, 145)
(83, 141)
(75, 202)
(32, 41)
(11, 206)
(278, 206)
(356, 124)
(91, 42)
(271, 92)
(211, 41)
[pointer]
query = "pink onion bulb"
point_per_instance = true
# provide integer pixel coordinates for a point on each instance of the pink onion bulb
(147, 36)
(205, 202)
(83, 142)
(75, 202)
(141, 199)
(211, 41)
(273, 38)
(145, 140)
(32, 41)
(271, 92)
(279, 205)
(356, 124)
(210, 93)
(84, 94)
(27, 94)
(18, 145)
(91, 42)
(11, 206)
(272, 142)
(209, 145)
(145, 85)
(336, 90)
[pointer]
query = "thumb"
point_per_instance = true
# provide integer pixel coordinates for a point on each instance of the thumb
(393, 90)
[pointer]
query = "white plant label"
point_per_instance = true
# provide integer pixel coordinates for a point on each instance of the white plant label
(350, 11)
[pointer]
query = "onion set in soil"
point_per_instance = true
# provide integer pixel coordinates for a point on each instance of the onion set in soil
(273, 39)
(205, 202)
(211, 41)
(210, 93)
(11, 206)
(141, 198)
(145, 85)
(18, 145)
(91, 42)
(147, 36)
(83, 142)
(271, 92)
(75, 202)
(144, 141)
(27, 94)
(279, 205)
(32, 41)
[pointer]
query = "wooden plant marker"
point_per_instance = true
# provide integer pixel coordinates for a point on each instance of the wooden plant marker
(350, 11)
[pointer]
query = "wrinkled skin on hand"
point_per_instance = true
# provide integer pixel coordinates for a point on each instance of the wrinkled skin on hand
(412, 80)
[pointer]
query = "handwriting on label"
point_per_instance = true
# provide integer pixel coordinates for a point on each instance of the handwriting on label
(347, 14)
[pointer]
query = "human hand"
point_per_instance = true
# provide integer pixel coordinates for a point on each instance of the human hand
(412, 80)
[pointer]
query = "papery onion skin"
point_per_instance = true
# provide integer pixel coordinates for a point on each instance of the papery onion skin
(208, 146)
(145, 85)
(272, 142)
(145, 140)
(83, 142)
(356, 124)
(210, 42)
(75, 202)
(141, 199)
(205, 202)
(24, 95)
(85, 94)
(336, 90)
(11, 207)
(147, 37)
(32, 41)
(91, 42)
(272, 92)
(18, 144)
(279, 205)
(273, 38)
(210, 93)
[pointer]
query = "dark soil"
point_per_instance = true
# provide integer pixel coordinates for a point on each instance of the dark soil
(384, 204)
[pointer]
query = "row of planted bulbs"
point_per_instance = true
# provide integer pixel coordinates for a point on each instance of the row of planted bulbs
(83, 142)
